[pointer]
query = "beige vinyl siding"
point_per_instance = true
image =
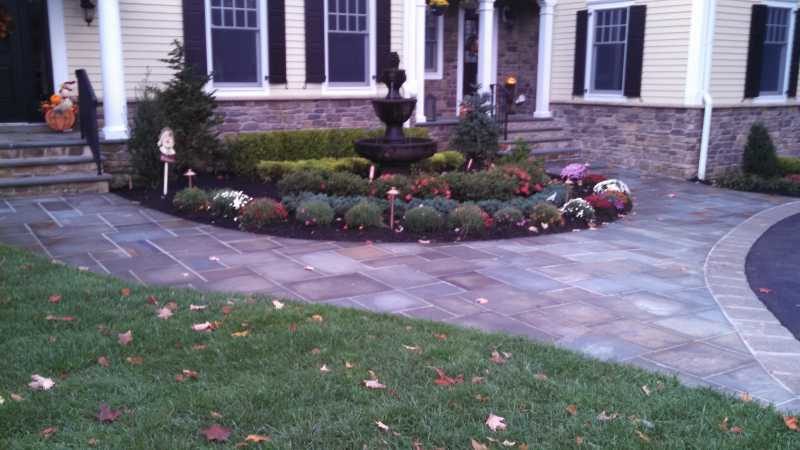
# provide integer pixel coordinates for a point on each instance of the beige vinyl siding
(666, 47)
(729, 63)
(148, 29)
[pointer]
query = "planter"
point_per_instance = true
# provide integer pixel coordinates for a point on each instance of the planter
(60, 121)
(438, 10)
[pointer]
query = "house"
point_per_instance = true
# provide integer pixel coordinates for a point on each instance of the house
(665, 86)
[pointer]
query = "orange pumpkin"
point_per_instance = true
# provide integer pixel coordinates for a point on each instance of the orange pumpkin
(55, 99)
(60, 120)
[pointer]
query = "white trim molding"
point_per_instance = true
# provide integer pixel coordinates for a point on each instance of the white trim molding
(460, 65)
(701, 37)
(371, 86)
(486, 38)
(115, 107)
(439, 72)
(419, 55)
(58, 42)
(545, 59)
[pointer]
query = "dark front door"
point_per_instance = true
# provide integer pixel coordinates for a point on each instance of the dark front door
(24, 60)
(470, 52)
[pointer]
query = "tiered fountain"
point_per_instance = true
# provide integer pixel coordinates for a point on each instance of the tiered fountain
(394, 151)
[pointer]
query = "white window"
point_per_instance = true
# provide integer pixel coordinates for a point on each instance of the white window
(434, 46)
(776, 51)
(608, 45)
(348, 42)
(237, 37)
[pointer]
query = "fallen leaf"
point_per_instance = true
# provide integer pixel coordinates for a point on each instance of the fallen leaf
(92, 442)
(745, 397)
(103, 361)
(197, 307)
(47, 432)
(541, 377)
(482, 301)
(106, 414)
(348, 365)
(643, 436)
(292, 327)
(672, 195)
(125, 292)
(309, 268)
(164, 313)
(724, 424)
(482, 398)
(199, 346)
(243, 333)
(497, 358)
(790, 421)
(125, 338)
(213, 258)
(495, 422)
(51, 317)
(41, 383)
(440, 336)
(424, 241)
(443, 379)
(603, 417)
(381, 426)
(646, 390)
(277, 304)
(2, 400)
(135, 360)
(578, 440)
(477, 445)
(478, 380)
(152, 300)
(572, 409)
(413, 348)
(317, 318)
(227, 310)
(52, 339)
(374, 384)
(16, 397)
(172, 306)
(216, 433)
(186, 374)
(765, 290)
(324, 368)
(736, 430)
(204, 327)
(507, 443)
(257, 438)
(54, 299)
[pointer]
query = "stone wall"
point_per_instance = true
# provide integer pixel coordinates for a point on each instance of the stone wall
(659, 141)
(518, 53)
(730, 127)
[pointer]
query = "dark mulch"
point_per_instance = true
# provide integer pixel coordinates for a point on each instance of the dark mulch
(772, 267)
(151, 198)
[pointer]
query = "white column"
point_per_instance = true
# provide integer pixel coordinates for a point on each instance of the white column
(544, 66)
(419, 57)
(486, 46)
(115, 108)
(58, 42)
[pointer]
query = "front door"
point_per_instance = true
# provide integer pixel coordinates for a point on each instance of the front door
(470, 57)
(24, 60)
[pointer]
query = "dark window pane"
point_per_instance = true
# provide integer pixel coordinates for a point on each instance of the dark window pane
(240, 3)
(240, 19)
(252, 19)
(608, 65)
(251, 4)
(215, 2)
(351, 7)
(772, 68)
(342, 6)
(362, 6)
(352, 26)
(362, 23)
(332, 24)
(347, 56)
(216, 17)
(228, 18)
(235, 56)
(228, 3)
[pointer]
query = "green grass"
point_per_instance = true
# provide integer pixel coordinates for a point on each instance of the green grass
(269, 382)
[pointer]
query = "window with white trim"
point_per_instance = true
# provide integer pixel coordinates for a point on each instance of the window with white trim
(776, 51)
(608, 45)
(434, 36)
(348, 42)
(236, 41)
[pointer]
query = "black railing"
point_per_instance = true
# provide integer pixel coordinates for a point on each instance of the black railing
(87, 115)
(502, 103)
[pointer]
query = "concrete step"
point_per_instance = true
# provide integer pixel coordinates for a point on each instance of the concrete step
(532, 125)
(48, 151)
(564, 155)
(535, 135)
(48, 165)
(533, 141)
(72, 183)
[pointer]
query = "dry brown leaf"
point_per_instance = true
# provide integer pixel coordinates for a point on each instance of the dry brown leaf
(643, 436)
(172, 305)
(135, 360)
(54, 299)
(315, 351)
(204, 327)
(440, 336)
(495, 422)
(257, 438)
(16, 397)
(197, 307)
(243, 333)
(790, 421)
(53, 318)
(572, 409)
(477, 445)
(497, 358)
(736, 429)
(103, 361)
(348, 365)
(277, 304)
(186, 374)
(724, 425)
(292, 327)
(47, 432)
(152, 300)
(646, 390)
(40, 383)
(578, 440)
(373, 384)
(125, 292)
(125, 338)
(541, 377)
(216, 433)
(227, 310)
(164, 313)
(412, 348)
(215, 414)
(92, 442)
(317, 318)
(381, 426)
(443, 379)
(324, 368)
(199, 346)
(478, 380)
(746, 397)
(604, 417)
(482, 398)
(106, 414)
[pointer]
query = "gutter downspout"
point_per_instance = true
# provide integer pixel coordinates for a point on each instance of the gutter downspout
(708, 102)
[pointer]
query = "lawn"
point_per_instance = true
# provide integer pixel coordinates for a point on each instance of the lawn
(259, 373)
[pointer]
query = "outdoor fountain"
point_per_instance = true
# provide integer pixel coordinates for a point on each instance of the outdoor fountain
(394, 151)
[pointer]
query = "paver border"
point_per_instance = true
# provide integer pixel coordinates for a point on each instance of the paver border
(772, 345)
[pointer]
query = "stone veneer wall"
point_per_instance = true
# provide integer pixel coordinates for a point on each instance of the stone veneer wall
(518, 53)
(655, 140)
(730, 127)
(446, 89)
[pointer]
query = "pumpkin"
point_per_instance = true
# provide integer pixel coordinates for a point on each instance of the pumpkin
(55, 99)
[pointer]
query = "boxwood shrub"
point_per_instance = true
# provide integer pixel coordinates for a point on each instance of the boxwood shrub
(276, 170)
(423, 219)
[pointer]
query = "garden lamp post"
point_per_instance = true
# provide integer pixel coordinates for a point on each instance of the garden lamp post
(190, 176)
(392, 193)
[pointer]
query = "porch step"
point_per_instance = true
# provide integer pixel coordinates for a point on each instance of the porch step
(40, 151)
(72, 183)
(43, 166)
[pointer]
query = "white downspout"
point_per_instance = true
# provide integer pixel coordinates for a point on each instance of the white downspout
(708, 102)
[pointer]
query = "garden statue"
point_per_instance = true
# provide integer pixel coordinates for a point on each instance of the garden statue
(166, 145)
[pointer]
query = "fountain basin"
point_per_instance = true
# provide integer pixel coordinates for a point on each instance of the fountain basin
(394, 111)
(395, 154)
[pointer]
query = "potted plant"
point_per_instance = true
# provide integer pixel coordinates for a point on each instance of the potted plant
(60, 111)
(438, 7)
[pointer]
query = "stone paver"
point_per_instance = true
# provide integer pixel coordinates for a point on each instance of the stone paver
(634, 291)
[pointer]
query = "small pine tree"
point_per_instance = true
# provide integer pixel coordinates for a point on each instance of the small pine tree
(760, 157)
(189, 111)
(142, 146)
(477, 133)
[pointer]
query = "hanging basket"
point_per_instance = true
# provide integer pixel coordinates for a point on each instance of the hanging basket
(60, 120)
(438, 10)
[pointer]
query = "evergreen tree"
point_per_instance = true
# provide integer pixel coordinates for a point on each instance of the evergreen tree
(143, 144)
(760, 157)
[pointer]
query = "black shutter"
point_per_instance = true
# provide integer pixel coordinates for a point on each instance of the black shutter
(383, 45)
(635, 57)
(795, 65)
(276, 26)
(755, 51)
(315, 41)
(194, 34)
(579, 67)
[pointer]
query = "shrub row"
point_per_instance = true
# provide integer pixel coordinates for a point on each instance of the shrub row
(276, 170)
(756, 183)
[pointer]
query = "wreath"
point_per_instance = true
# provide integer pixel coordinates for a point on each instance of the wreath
(6, 23)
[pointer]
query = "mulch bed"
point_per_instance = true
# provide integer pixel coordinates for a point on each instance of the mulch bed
(151, 198)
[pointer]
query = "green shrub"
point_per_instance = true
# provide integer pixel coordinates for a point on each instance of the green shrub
(307, 181)
(430, 186)
(755, 183)
(469, 219)
(293, 201)
(190, 200)
(276, 170)
(759, 153)
(546, 215)
(508, 216)
(520, 153)
(423, 219)
(364, 215)
(788, 165)
(314, 212)
(441, 204)
(148, 122)
(247, 150)
(477, 133)
(553, 193)
(261, 212)
(227, 202)
(578, 211)
(491, 206)
(341, 205)
(381, 185)
(345, 184)
(446, 161)
(483, 185)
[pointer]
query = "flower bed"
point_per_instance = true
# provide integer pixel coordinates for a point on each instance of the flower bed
(510, 199)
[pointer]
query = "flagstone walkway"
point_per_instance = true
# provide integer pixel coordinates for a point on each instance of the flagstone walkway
(634, 291)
